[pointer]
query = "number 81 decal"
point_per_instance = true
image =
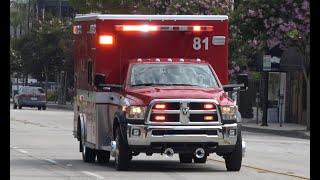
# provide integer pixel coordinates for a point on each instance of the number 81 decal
(198, 43)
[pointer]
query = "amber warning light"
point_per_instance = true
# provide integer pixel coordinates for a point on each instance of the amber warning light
(105, 40)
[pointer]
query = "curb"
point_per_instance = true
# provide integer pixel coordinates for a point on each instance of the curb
(292, 133)
(56, 106)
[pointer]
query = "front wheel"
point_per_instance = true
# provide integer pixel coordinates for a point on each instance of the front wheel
(233, 160)
(39, 108)
(44, 108)
(123, 155)
(15, 106)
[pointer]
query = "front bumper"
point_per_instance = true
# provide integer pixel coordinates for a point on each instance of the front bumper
(142, 135)
(32, 103)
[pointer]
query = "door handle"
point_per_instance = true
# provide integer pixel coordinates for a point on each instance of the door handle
(111, 98)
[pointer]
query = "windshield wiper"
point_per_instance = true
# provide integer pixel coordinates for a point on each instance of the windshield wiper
(182, 85)
(149, 84)
(161, 84)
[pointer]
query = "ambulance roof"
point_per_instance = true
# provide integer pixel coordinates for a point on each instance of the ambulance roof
(85, 17)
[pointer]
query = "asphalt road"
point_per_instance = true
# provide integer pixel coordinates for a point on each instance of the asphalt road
(42, 147)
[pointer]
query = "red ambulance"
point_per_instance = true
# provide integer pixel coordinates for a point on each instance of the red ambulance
(154, 84)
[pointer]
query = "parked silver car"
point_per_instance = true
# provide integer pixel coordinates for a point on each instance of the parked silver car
(30, 97)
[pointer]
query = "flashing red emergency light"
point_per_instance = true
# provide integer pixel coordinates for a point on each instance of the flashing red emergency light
(209, 106)
(159, 118)
(148, 28)
(208, 118)
(160, 106)
(142, 28)
(105, 40)
(196, 28)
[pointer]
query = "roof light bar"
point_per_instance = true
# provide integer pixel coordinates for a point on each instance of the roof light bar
(196, 28)
(142, 28)
(147, 28)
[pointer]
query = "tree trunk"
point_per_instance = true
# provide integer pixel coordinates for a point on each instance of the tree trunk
(308, 104)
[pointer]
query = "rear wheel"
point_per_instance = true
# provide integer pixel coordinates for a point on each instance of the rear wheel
(123, 155)
(44, 108)
(39, 108)
(15, 106)
(88, 154)
(20, 107)
(233, 160)
(103, 156)
(185, 158)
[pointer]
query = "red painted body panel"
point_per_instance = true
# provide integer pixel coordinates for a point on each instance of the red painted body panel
(112, 60)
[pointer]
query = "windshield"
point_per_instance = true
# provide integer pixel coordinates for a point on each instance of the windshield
(172, 74)
(31, 90)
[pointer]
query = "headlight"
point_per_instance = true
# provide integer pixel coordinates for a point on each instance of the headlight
(135, 112)
(229, 112)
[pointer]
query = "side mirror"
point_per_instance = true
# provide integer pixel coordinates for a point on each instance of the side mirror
(243, 79)
(232, 87)
(99, 80)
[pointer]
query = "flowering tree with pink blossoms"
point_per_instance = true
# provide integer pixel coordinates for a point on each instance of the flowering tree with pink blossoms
(262, 24)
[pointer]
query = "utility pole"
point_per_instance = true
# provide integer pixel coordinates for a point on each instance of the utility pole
(265, 99)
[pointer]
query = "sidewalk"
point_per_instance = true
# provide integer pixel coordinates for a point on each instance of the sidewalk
(67, 106)
(287, 129)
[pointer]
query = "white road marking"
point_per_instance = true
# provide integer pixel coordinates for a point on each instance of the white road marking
(22, 151)
(51, 161)
(92, 174)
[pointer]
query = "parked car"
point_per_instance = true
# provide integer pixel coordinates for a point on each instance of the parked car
(30, 97)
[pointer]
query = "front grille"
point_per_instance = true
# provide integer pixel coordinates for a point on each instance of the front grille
(183, 132)
(176, 111)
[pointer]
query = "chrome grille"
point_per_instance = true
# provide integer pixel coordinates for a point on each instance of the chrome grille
(183, 112)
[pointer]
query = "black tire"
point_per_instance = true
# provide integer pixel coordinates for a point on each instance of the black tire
(20, 107)
(39, 108)
(199, 160)
(185, 158)
(123, 155)
(15, 106)
(103, 156)
(233, 160)
(44, 108)
(88, 154)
